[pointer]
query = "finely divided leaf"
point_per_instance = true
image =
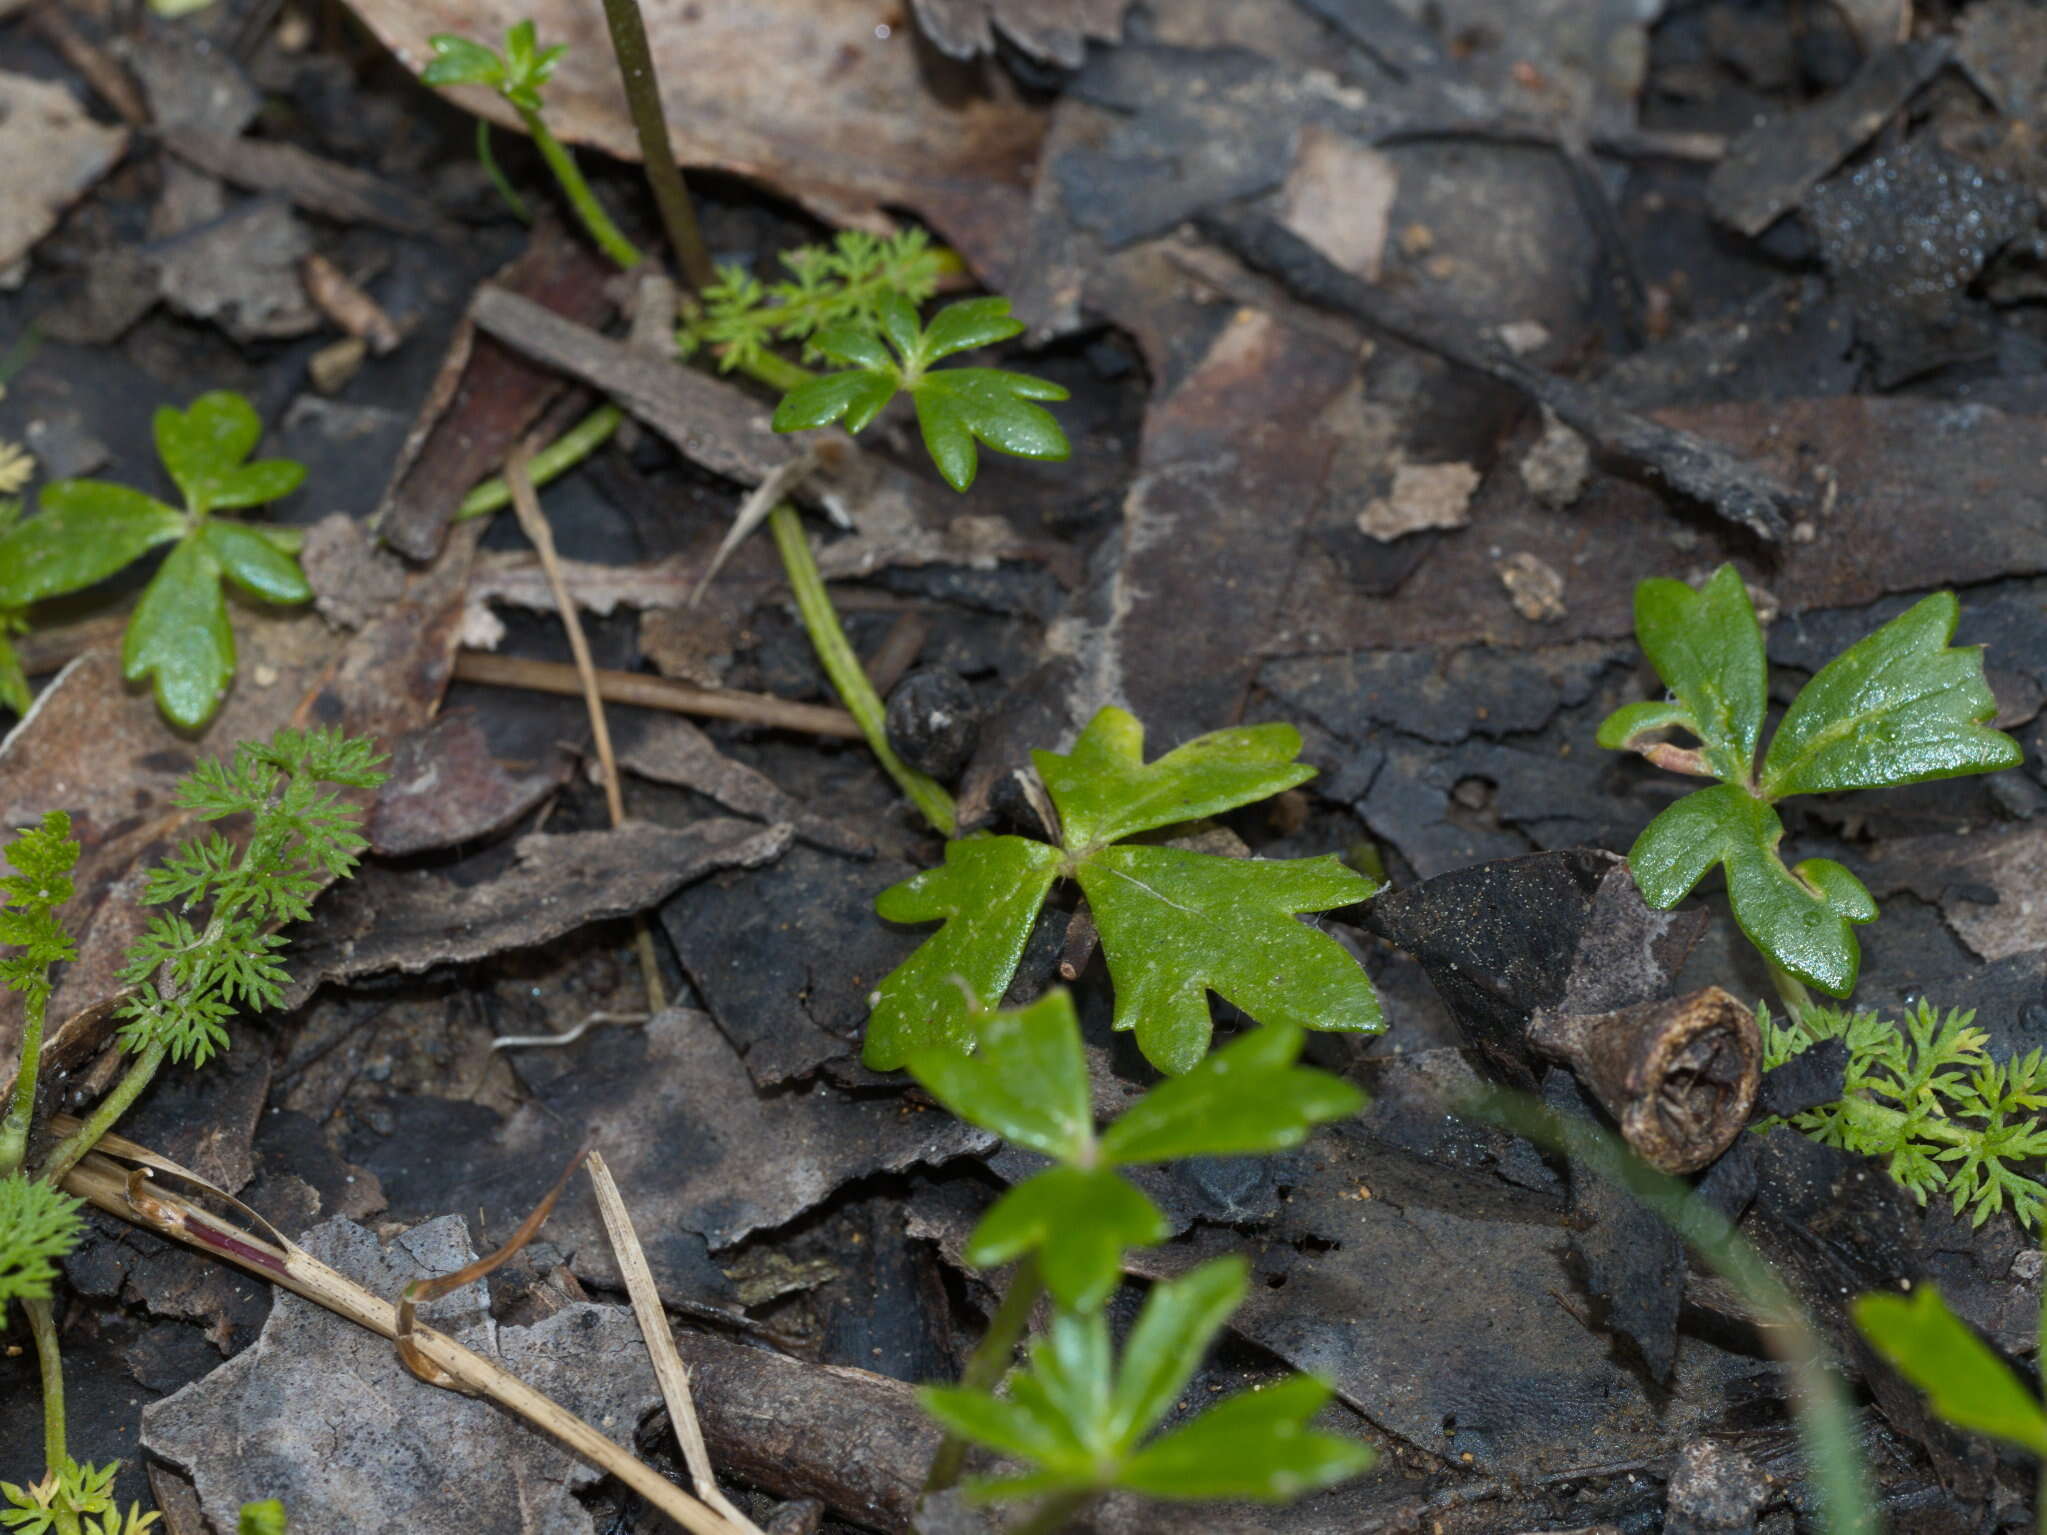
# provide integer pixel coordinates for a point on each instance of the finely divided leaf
(1940, 1354)
(38, 1225)
(179, 636)
(1803, 921)
(88, 529)
(1708, 649)
(1176, 925)
(1105, 790)
(987, 894)
(1247, 1097)
(1896, 707)
(1256, 1446)
(1079, 1223)
(1026, 1081)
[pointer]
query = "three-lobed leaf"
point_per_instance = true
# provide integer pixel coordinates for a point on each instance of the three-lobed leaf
(1174, 924)
(1938, 1352)
(204, 447)
(1027, 1081)
(459, 61)
(87, 530)
(1256, 1446)
(1804, 919)
(1899, 706)
(959, 407)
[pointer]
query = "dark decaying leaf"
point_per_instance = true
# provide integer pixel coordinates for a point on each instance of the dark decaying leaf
(1057, 31)
(446, 788)
(410, 921)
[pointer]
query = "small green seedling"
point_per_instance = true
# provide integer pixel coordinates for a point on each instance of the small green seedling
(956, 407)
(179, 635)
(264, 1518)
(1079, 1416)
(1930, 1101)
(841, 284)
(1899, 706)
(1174, 924)
(1027, 1082)
(193, 968)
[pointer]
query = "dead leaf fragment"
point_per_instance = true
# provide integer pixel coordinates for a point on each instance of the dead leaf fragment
(1534, 587)
(410, 921)
(242, 270)
(1558, 467)
(1423, 496)
(1056, 31)
(53, 153)
(1339, 198)
(445, 787)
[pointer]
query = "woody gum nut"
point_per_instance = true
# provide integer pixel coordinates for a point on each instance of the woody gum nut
(1678, 1076)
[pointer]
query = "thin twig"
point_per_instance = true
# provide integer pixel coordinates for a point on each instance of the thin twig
(669, 1369)
(657, 155)
(104, 1183)
(526, 506)
(647, 692)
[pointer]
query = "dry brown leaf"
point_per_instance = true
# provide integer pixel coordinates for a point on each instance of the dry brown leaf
(53, 152)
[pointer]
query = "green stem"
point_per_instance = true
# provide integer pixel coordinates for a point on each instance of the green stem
(614, 244)
(496, 173)
(1055, 1513)
(551, 462)
(44, 1328)
(657, 155)
(776, 372)
(14, 1129)
(1790, 989)
(847, 675)
(111, 1108)
(989, 1362)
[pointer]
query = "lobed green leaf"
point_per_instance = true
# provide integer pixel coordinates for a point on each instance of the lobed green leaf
(1898, 706)
(1176, 925)
(1104, 789)
(179, 636)
(987, 894)
(458, 61)
(969, 323)
(959, 407)
(1803, 921)
(858, 396)
(1079, 1222)
(1180, 1319)
(254, 563)
(1969, 1386)
(1708, 648)
(1026, 1080)
(87, 530)
(1247, 1097)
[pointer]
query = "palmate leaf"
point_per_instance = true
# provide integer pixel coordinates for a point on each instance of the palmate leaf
(204, 447)
(1938, 1352)
(957, 408)
(1027, 1081)
(87, 530)
(1078, 1417)
(1899, 706)
(1173, 923)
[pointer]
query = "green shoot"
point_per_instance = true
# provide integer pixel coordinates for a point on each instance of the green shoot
(264, 1518)
(518, 75)
(956, 407)
(1079, 1417)
(836, 285)
(1174, 924)
(213, 952)
(1900, 706)
(1929, 1100)
(43, 858)
(72, 1499)
(1027, 1082)
(179, 636)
